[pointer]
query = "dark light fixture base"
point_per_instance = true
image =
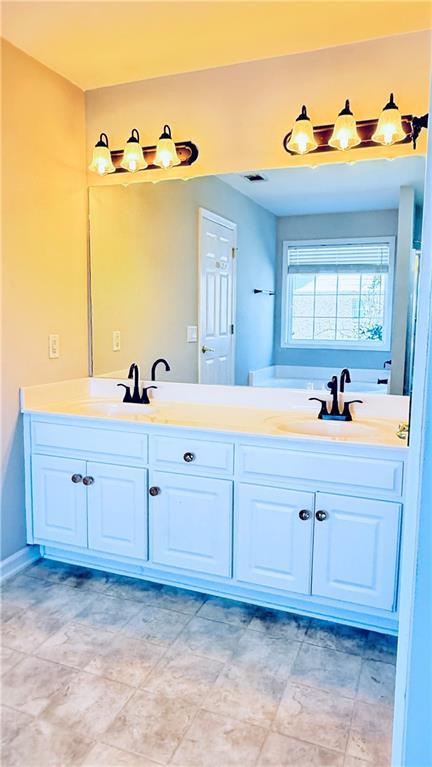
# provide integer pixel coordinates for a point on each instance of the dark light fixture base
(186, 150)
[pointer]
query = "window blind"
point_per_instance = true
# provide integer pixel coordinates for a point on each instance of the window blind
(349, 257)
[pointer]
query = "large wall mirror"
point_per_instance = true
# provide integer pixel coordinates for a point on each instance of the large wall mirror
(276, 278)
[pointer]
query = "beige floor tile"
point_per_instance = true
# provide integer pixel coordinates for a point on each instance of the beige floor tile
(216, 741)
(336, 636)
(247, 695)
(87, 705)
(227, 611)
(64, 602)
(277, 623)
(40, 743)
(352, 761)
(156, 625)
(108, 612)
(11, 724)
(172, 598)
(102, 755)
(9, 658)
(371, 733)
(151, 725)
(56, 572)
(319, 717)
(183, 676)
(132, 588)
(210, 638)
(75, 644)
(21, 592)
(31, 684)
(327, 669)
(377, 682)
(381, 647)
(259, 653)
(281, 751)
(29, 629)
(126, 660)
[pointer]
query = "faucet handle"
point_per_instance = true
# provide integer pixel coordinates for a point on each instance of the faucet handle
(323, 412)
(127, 397)
(346, 413)
(145, 397)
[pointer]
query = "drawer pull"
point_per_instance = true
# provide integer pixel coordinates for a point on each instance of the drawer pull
(76, 478)
(155, 491)
(189, 457)
(321, 515)
(304, 514)
(88, 481)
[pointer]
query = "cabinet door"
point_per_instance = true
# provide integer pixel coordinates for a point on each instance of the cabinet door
(273, 539)
(59, 503)
(117, 510)
(356, 550)
(191, 520)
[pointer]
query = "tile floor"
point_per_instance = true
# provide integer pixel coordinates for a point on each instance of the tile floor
(106, 670)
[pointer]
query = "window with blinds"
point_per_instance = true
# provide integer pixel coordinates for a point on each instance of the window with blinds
(337, 293)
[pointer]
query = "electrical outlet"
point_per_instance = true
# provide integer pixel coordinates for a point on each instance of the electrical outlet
(116, 341)
(191, 334)
(53, 346)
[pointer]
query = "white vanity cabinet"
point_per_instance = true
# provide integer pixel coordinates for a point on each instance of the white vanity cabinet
(88, 504)
(191, 523)
(298, 525)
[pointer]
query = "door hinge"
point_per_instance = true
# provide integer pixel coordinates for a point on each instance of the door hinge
(233, 252)
(232, 329)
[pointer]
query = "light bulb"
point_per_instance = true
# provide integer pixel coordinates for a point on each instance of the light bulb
(166, 152)
(133, 157)
(345, 134)
(302, 138)
(389, 129)
(101, 162)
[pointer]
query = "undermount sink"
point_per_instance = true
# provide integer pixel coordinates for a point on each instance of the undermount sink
(332, 429)
(119, 409)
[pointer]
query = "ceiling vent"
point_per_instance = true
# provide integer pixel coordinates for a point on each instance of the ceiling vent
(255, 177)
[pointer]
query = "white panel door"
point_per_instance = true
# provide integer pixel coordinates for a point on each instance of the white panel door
(274, 531)
(216, 302)
(59, 500)
(190, 522)
(117, 510)
(356, 550)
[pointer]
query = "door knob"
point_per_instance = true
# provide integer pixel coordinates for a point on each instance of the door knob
(205, 349)
(304, 514)
(321, 515)
(88, 481)
(189, 457)
(76, 478)
(155, 491)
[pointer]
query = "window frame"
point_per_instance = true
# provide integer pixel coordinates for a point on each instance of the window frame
(287, 298)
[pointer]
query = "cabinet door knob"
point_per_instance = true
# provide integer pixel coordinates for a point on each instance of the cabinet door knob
(321, 515)
(189, 457)
(304, 514)
(155, 491)
(76, 478)
(88, 481)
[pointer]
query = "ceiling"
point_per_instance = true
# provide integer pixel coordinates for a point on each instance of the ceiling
(339, 188)
(96, 44)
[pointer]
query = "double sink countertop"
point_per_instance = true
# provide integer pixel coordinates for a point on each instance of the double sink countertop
(249, 410)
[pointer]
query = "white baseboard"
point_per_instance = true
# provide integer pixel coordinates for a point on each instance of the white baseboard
(18, 561)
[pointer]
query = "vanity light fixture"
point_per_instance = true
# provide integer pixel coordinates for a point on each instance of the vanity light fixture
(302, 139)
(389, 129)
(133, 157)
(166, 152)
(101, 162)
(345, 135)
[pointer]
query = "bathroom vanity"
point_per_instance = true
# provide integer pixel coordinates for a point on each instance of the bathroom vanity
(225, 496)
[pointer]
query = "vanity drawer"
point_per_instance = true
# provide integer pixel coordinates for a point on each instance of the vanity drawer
(289, 465)
(192, 455)
(127, 446)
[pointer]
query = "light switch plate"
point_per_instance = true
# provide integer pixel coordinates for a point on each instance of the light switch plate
(192, 334)
(116, 340)
(53, 346)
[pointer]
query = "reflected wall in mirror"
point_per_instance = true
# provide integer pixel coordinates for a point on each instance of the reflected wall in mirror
(277, 278)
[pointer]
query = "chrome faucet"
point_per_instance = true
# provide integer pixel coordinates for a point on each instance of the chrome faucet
(335, 414)
(160, 361)
(136, 397)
